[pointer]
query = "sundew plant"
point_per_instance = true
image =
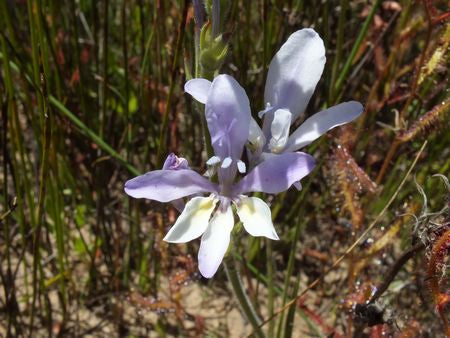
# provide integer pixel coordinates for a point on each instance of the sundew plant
(224, 168)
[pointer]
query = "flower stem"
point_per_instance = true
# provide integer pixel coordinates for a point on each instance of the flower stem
(270, 286)
(205, 130)
(239, 292)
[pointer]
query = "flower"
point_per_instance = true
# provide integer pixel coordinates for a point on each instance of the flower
(293, 75)
(227, 113)
(174, 162)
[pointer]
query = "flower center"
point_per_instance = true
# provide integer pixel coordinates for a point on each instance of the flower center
(226, 163)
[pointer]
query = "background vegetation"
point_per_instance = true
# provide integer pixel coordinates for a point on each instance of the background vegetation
(92, 94)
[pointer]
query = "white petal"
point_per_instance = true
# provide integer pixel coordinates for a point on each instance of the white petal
(323, 121)
(279, 130)
(193, 221)
(215, 242)
(294, 72)
(198, 88)
(256, 136)
(256, 217)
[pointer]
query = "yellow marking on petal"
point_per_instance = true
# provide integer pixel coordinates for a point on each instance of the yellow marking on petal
(193, 221)
(256, 217)
(247, 206)
(204, 206)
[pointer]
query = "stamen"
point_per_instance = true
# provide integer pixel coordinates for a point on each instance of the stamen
(213, 160)
(241, 167)
(226, 162)
(267, 109)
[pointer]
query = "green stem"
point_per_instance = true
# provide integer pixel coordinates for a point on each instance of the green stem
(270, 286)
(198, 106)
(241, 296)
(356, 45)
(300, 222)
(339, 45)
(205, 130)
(83, 128)
(290, 269)
(103, 97)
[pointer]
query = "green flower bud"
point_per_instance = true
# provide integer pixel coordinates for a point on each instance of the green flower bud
(212, 58)
(213, 51)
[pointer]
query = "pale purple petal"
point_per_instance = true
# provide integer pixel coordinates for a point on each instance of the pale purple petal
(294, 72)
(198, 88)
(228, 115)
(168, 185)
(215, 242)
(298, 186)
(321, 122)
(276, 174)
(173, 162)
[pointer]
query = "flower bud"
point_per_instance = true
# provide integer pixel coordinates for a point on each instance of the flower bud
(212, 50)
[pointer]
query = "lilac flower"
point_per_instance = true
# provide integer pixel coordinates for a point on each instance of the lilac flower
(228, 116)
(293, 75)
(174, 162)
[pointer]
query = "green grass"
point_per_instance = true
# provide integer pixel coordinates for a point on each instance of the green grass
(92, 95)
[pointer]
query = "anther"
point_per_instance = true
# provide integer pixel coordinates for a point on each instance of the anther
(241, 167)
(213, 160)
(226, 162)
